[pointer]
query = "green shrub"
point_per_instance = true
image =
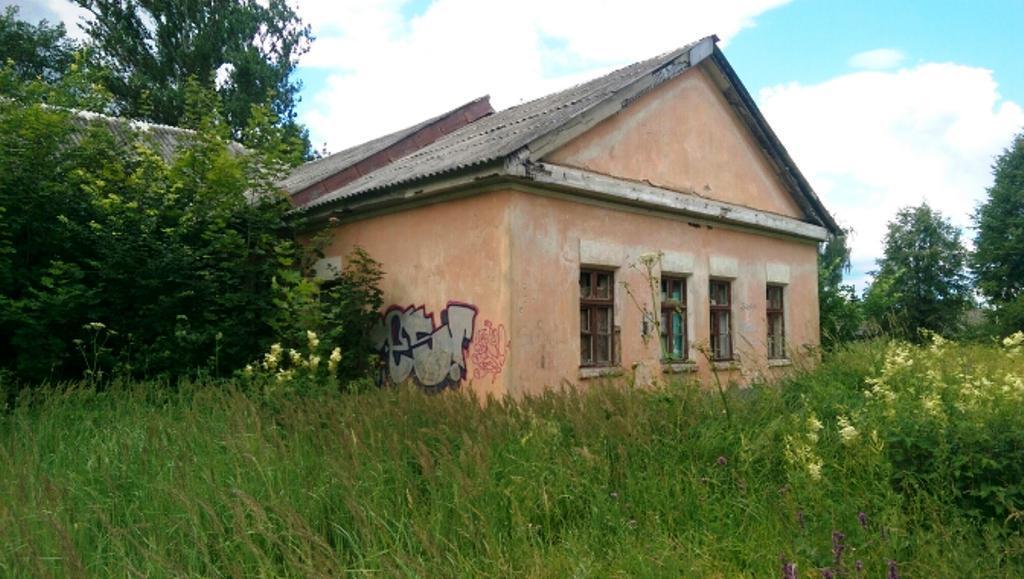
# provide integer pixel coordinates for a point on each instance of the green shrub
(175, 259)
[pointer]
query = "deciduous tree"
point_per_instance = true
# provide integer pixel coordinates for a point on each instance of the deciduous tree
(921, 282)
(838, 304)
(998, 258)
(245, 50)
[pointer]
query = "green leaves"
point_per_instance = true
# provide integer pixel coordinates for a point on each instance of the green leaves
(921, 282)
(241, 51)
(998, 259)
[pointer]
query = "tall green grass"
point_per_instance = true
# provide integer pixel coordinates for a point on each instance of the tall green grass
(140, 480)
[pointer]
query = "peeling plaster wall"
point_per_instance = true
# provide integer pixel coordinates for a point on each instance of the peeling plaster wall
(552, 236)
(450, 258)
(683, 136)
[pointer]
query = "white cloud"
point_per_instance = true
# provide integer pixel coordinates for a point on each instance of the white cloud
(878, 59)
(387, 71)
(872, 142)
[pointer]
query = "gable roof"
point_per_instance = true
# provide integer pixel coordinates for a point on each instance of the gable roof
(514, 138)
(371, 155)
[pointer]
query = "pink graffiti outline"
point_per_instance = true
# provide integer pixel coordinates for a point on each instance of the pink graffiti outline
(489, 349)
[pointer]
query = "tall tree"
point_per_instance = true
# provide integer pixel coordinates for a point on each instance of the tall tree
(921, 282)
(998, 258)
(837, 302)
(34, 51)
(245, 50)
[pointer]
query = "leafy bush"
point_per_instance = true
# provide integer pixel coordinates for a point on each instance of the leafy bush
(951, 420)
(175, 259)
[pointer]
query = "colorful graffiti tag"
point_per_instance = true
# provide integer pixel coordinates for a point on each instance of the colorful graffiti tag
(489, 350)
(412, 346)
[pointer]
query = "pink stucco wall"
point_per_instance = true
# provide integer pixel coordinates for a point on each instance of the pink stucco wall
(457, 253)
(512, 256)
(683, 136)
(552, 238)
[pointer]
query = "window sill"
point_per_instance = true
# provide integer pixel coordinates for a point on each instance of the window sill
(726, 365)
(779, 362)
(680, 367)
(589, 372)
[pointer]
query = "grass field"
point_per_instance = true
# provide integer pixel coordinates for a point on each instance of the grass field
(885, 460)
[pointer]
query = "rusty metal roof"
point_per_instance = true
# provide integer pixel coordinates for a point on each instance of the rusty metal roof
(495, 137)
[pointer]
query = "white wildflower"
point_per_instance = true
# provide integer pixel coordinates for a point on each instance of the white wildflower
(847, 432)
(295, 356)
(1013, 340)
(814, 469)
(932, 405)
(813, 427)
(314, 341)
(314, 362)
(332, 361)
(247, 370)
(271, 358)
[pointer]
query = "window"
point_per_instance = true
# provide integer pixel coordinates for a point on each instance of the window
(721, 320)
(776, 323)
(673, 318)
(597, 303)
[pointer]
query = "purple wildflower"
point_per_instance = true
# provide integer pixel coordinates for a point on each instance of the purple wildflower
(722, 461)
(800, 519)
(788, 569)
(859, 566)
(863, 518)
(837, 548)
(827, 573)
(894, 572)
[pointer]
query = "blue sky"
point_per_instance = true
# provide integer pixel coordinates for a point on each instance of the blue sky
(881, 104)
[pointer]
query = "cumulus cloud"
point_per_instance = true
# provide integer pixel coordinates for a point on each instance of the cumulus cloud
(872, 142)
(386, 69)
(877, 59)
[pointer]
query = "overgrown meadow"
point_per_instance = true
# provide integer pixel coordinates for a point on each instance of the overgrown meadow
(888, 460)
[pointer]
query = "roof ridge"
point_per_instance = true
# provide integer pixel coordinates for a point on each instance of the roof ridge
(395, 132)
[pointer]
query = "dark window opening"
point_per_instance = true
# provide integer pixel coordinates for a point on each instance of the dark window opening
(597, 305)
(721, 320)
(674, 342)
(776, 323)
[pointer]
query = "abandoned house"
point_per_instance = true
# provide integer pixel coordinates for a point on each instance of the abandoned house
(643, 224)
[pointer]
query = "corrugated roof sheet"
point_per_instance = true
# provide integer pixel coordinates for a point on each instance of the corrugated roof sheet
(165, 139)
(320, 169)
(497, 136)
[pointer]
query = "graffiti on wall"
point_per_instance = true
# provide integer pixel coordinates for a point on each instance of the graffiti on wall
(489, 350)
(412, 346)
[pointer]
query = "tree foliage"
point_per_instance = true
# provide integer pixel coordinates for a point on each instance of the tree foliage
(113, 258)
(998, 258)
(838, 305)
(921, 281)
(245, 50)
(34, 51)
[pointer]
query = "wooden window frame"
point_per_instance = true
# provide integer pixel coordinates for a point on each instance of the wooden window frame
(776, 344)
(669, 307)
(714, 325)
(591, 305)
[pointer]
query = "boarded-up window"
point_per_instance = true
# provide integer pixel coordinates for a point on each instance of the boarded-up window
(721, 320)
(776, 323)
(673, 318)
(597, 305)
